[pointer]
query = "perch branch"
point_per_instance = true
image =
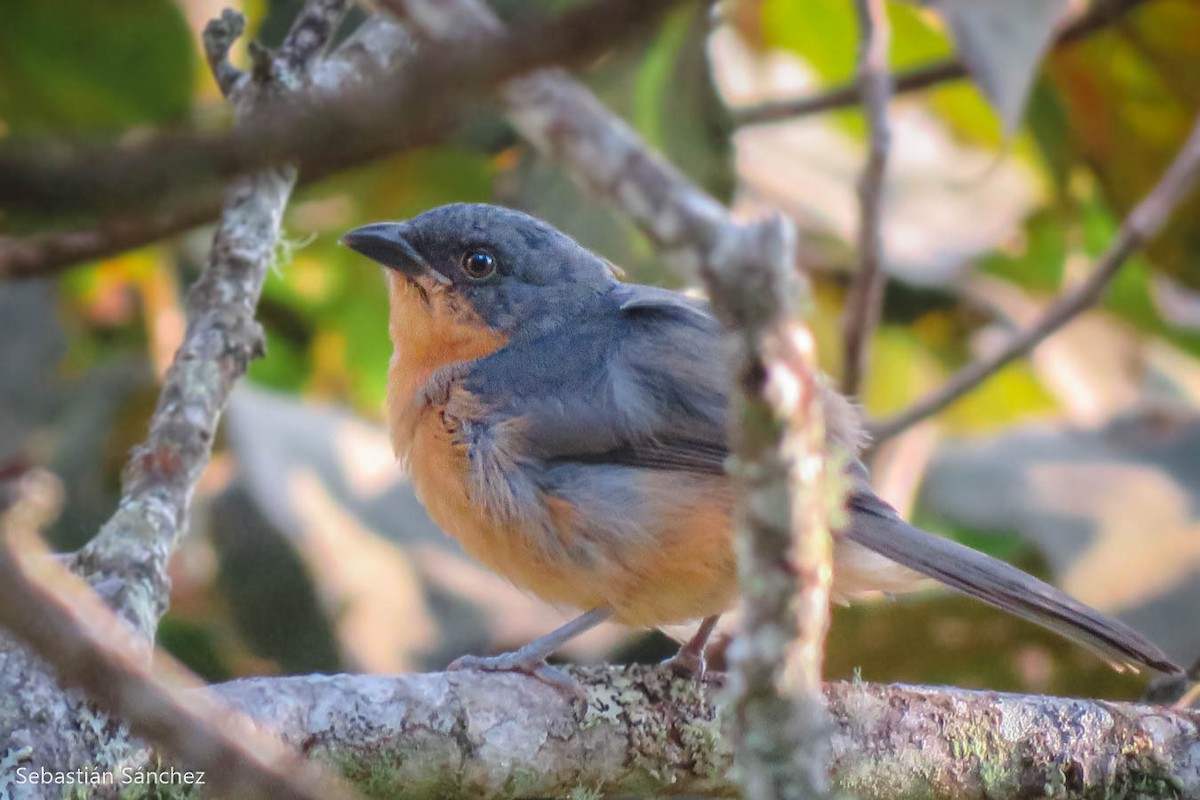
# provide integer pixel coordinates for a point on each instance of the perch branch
(776, 426)
(1140, 226)
(643, 733)
(864, 303)
(1098, 17)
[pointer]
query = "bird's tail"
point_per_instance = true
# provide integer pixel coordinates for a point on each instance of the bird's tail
(876, 525)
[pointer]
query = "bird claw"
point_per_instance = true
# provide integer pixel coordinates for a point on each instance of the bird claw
(686, 664)
(536, 668)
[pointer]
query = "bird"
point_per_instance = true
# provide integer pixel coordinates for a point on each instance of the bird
(569, 430)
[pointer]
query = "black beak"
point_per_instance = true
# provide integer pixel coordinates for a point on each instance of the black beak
(385, 243)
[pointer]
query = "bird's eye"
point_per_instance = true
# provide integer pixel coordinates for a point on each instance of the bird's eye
(479, 264)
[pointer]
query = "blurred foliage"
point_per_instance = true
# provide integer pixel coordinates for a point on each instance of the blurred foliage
(258, 593)
(1126, 99)
(81, 66)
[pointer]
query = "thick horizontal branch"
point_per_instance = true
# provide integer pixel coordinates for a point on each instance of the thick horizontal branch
(319, 132)
(645, 732)
(1099, 16)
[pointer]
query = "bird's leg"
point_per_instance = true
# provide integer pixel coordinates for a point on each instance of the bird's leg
(690, 658)
(531, 659)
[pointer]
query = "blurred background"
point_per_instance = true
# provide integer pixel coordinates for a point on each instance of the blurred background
(308, 551)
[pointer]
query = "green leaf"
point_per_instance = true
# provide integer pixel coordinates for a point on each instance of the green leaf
(1129, 97)
(825, 34)
(78, 65)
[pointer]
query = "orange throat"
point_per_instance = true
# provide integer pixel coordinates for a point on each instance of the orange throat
(429, 330)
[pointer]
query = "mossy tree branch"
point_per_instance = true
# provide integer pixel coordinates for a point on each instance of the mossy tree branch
(646, 732)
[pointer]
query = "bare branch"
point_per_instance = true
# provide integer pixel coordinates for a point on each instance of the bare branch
(1142, 225)
(64, 621)
(864, 303)
(644, 733)
(55, 729)
(131, 551)
(317, 133)
(1098, 17)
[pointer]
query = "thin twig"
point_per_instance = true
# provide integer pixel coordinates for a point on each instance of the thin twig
(1139, 227)
(65, 622)
(322, 132)
(1099, 16)
(219, 36)
(864, 303)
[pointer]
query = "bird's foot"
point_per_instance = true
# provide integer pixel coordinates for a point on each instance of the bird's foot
(533, 666)
(687, 664)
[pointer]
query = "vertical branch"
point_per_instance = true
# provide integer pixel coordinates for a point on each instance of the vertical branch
(127, 560)
(865, 300)
(784, 547)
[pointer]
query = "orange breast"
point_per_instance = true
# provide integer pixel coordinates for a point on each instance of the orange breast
(430, 333)
(440, 473)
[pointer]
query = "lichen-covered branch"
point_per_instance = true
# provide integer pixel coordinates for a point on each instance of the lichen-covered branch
(645, 732)
(127, 560)
(776, 426)
(1139, 227)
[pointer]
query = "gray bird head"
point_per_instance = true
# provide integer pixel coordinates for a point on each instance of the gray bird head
(487, 266)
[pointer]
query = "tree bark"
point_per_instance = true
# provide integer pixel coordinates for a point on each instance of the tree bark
(643, 731)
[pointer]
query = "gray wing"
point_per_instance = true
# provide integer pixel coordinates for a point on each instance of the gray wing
(642, 383)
